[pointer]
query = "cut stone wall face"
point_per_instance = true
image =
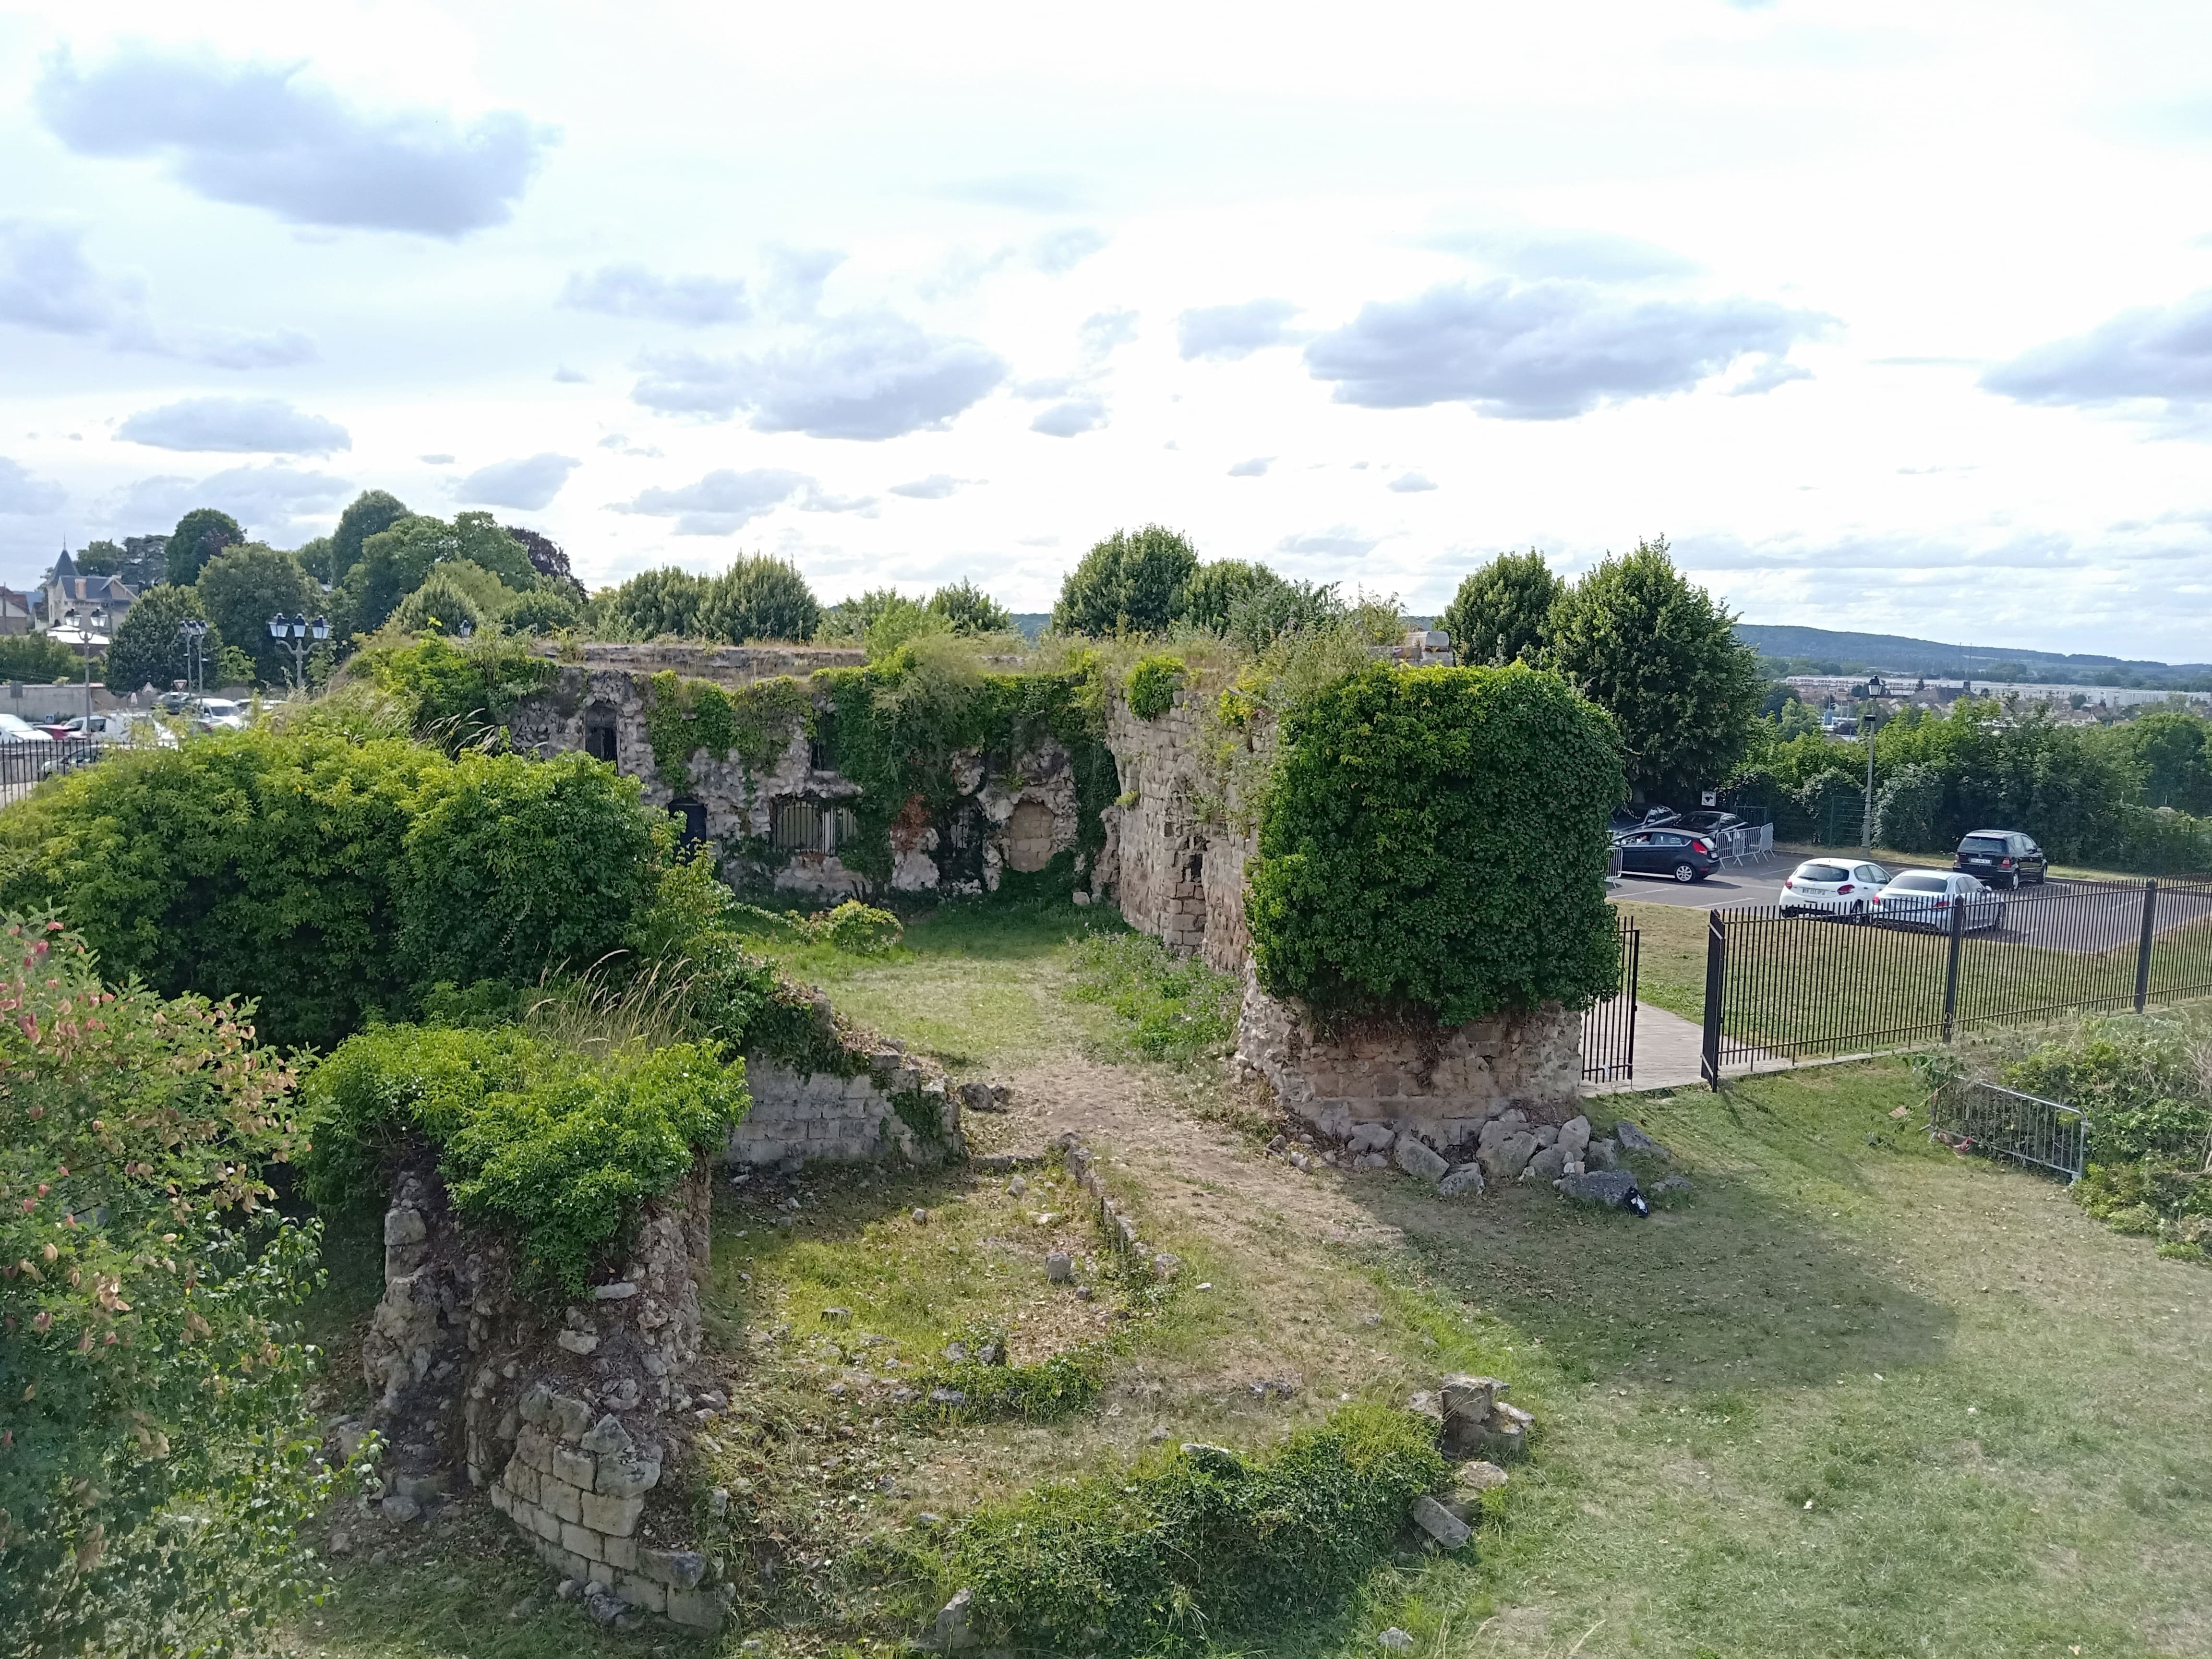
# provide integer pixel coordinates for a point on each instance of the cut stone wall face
(1175, 873)
(1438, 1085)
(805, 1117)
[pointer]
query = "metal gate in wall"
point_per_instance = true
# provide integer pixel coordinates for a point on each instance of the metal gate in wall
(1609, 1027)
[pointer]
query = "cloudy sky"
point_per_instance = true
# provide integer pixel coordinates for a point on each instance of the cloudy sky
(1892, 317)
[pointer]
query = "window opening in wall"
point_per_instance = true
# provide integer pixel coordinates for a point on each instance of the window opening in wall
(795, 826)
(599, 735)
(692, 814)
(844, 827)
(821, 747)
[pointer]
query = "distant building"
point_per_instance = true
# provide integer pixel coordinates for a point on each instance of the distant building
(18, 612)
(69, 591)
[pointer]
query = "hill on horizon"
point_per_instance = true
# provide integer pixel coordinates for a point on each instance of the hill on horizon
(1899, 655)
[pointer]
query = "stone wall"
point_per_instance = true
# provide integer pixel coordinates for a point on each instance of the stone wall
(726, 665)
(569, 1420)
(1177, 870)
(1439, 1084)
(892, 1106)
(1016, 819)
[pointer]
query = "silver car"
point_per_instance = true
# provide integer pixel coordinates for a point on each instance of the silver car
(1833, 887)
(1927, 898)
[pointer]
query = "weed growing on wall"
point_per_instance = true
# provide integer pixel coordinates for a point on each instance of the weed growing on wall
(457, 693)
(1152, 684)
(1435, 839)
(684, 716)
(1166, 1556)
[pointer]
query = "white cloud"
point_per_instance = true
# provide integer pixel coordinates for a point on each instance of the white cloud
(1254, 468)
(631, 290)
(235, 425)
(722, 502)
(935, 488)
(1025, 192)
(796, 277)
(1058, 252)
(255, 135)
(435, 460)
(20, 492)
(866, 376)
(1411, 483)
(1545, 350)
(2149, 351)
(271, 504)
(1069, 419)
(1339, 541)
(530, 482)
(1228, 334)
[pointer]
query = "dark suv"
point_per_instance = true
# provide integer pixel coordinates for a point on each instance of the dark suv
(2002, 858)
(1669, 852)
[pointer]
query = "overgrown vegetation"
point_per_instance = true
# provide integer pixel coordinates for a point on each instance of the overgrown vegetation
(1150, 685)
(685, 716)
(1435, 842)
(1173, 1008)
(1201, 1544)
(156, 1459)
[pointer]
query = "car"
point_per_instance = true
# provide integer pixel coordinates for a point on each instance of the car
(16, 729)
(1927, 898)
(2003, 858)
(1668, 852)
(1833, 887)
(1626, 819)
(1709, 823)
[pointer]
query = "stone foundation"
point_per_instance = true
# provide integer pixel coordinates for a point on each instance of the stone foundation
(799, 1118)
(1439, 1085)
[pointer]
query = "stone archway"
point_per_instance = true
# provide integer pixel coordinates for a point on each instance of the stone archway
(1030, 837)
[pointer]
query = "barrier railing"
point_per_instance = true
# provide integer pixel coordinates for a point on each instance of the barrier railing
(1973, 1116)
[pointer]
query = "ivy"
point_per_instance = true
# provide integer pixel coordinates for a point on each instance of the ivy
(684, 716)
(1151, 686)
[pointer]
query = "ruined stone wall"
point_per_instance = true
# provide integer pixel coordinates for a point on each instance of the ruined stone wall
(570, 1419)
(1177, 870)
(801, 1118)
(1017, 819)
(726, 665)
(1439, 1084)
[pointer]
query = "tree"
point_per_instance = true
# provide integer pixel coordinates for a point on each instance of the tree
(1260, 617)
(36, 658)
(1216, 588)
(440, 605)
(140, 561)
(397, 560)
(657, 602)
(2170, 754)
(242, 588)
(969, 610)
(158, 1471)
(369, 513)
(1659, 655)
(548, 560)
(147, 650)
(199, 536)
(1133, 582)
(759, 598)
(1503, 612)
(546, 610)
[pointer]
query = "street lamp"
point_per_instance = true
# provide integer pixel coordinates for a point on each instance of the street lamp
(294, 632)
(1869, 723)
(84, 632)
(193, 634)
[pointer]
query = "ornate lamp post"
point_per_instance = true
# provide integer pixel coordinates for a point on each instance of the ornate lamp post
(84, 632)
(294, 632)
(194, 635)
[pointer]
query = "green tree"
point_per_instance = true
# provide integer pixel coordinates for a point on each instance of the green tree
(242, 588)
(759, 598)
(544, 611)
(397, 560)
(36, 658)
(1133, 582)
(654, 603)
(199, 536)
(1503, 612)
(147, 650)
(440, 605)
(157, 1472)
(369, 513)
(1273, 610)
(1216, 588)
(1661, 655)
(140, 561)
(969, 610)
(1434, 841)
(2171, 755)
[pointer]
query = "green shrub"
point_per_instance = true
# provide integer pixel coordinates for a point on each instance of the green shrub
(1152, 684)
(1175, 1008)
(1434, 841)
(557, 1147)
(440, 606)
(1910, 813)
(1169, 1557)
(1038, 1390)
(1133, 582)
(457, 694)
(2133, 1075)
(543, 611)
(157, 1470)
(857, 929)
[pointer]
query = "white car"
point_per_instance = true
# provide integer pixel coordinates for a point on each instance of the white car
(14, 728)
(1926, 898)
(1833, 887)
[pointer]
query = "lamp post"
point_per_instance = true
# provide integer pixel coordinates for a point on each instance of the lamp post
(84, 632)
(194, 635)
(1869, 723)
(294, 632)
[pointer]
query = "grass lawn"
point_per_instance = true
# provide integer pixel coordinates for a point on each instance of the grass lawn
(1853, 1396)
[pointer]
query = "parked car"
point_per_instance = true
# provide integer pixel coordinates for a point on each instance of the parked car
(16, 729)
(1709, 823)
(123, 727)
(1668, 852)
(2003, 858)
(1632, 818)
(1833, 887)
(1926, 898)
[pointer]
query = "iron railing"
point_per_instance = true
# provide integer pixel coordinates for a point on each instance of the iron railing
(25, 763)
(1973, 1116)
(1781, 988)
(1609, 1027)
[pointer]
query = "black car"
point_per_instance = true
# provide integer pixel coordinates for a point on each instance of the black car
(1668, 852)
(2002, 858)
(1709, 823)
(1627, 819)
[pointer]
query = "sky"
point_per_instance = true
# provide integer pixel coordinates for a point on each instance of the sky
(1890, 317)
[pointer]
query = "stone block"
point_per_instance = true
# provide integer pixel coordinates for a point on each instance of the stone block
(561, 1499)
(1440, 1523)
(545, 1524)
(677, 1569)
(1420, 1161)
(571, 1416)
(531, 1447)
(522, 1480)
(1548, 1164)
(642, 1592)
(583, 1541)
(625, 1475)
(501, 1499)
(611, 1515)
(578, 1468)
(607, 1435)
(697, 1609)
(620, 1552)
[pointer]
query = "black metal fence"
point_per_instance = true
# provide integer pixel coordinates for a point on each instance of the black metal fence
(1981, 1117)
(23, 764)
(1784, 987)
(1609, 1027)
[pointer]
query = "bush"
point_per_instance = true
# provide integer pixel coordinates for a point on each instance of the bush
(1152, 684)
(757, 598)
(42, 659)
(2135, 1077)
(1910, 813)
(546, 610)
(440, 605)
(157, 1463)
(1503, 612)
(967, 609)
(1175, 1008)
(1164, 1558)
(458, 695)
(1218, 587)
(558, 1148)
(857, 929)
(1130, 583)
(1435, 841)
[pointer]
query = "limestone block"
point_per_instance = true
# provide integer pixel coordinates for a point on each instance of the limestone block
(642, 1592)
(607, 1435)
(578, 1468)
(1462, 1180)
(696, 1607)
(564, 1501)
(544, 1523)
(611, 1515)
(571, 1416)
(620, 1552)
(1548, 1164)
(1420, 1161)
(679, 1569)
(1575, 1139)
(1440, 1523)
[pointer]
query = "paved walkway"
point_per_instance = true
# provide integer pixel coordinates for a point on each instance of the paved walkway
(1668, 1051)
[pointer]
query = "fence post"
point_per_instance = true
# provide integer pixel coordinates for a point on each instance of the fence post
(1951, 968)
(1709, 1061)
(2143, 953)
